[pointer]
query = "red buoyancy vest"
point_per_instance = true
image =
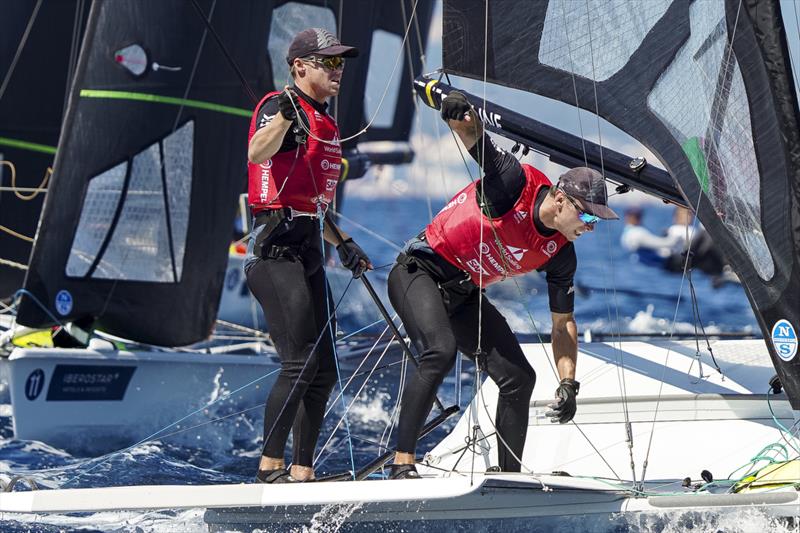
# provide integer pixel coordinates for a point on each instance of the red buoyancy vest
(455, 234)
(297, 179)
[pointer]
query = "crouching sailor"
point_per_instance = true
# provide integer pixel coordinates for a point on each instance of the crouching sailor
(293, 172)
(526, 224)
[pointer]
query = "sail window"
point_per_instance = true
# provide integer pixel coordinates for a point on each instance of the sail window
(701, 99)
(148, 230)
(97, 217)
(576, 33)
(386, 48)
(287, 21)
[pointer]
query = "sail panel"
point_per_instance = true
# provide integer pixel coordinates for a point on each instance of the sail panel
(708, 89)
(586, 38)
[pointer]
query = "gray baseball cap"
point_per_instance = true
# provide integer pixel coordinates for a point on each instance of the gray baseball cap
(588, 186)
(318, 41)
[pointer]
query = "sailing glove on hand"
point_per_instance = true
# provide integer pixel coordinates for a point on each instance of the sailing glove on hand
(564, 410)
(455, 106)
(287, 105)
(353, 257)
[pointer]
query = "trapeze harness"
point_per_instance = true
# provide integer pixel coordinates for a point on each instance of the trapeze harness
(292, 185)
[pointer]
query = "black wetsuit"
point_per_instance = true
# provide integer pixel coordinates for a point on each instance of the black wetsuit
(441, 320)
(289, 282)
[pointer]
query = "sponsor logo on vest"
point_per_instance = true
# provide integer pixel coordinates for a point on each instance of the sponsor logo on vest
(517, 253)
(265, 119)
(334, 149)
(317, 115)
(328, 165)
(265, 180)
(458, 200)
(520, 216)
(497, 266)
(784, 338)
(330, 184)
(550, 248)
(476, 267)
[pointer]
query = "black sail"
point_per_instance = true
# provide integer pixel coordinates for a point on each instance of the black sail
(151, 160)
(706, 86)
(38, 52)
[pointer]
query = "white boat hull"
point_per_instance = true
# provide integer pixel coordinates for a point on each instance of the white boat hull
(715, 422)
(97, 401)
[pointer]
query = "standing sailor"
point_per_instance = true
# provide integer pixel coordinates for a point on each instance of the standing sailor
(293, 173)
(526, 224)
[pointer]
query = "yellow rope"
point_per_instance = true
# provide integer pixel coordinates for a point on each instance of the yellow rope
(13, 264)
(15, 234)
(36, 191)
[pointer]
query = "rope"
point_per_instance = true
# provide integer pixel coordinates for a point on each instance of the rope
(17, 190)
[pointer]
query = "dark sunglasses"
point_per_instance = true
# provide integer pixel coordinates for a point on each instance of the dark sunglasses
(586, 218)
(330, 63)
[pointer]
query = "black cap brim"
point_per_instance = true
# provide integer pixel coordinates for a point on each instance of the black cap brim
(338, 50)
(602, 211)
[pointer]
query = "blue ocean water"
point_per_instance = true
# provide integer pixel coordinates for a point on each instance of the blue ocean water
(615, 294)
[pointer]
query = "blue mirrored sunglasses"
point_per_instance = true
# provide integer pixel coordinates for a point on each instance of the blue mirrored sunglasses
(583, 216)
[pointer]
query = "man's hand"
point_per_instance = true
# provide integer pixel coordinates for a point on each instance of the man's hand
(564, 410)
(353, 257)
(456, 107)
(287, 104)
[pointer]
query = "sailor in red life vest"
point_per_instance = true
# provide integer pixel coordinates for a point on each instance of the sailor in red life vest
(527, 224)
(293, 173)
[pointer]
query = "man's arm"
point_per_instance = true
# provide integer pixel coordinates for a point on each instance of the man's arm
(273, 121)
(503, 179)
(267, 141)
(565, 344)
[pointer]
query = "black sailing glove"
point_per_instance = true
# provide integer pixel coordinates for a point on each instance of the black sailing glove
(287, 105)
(566, 394)
(353, 257)
(455, 106)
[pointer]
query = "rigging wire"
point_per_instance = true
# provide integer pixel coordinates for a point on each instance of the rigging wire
(74, 51)
(20, 47)
(621, 380)
(686, 267)
(224, 49)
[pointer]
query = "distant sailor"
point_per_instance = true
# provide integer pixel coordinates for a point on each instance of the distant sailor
(647, 247)
(527, 224)
(293, 173)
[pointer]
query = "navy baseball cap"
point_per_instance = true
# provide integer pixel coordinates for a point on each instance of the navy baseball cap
(588, 186)
(318, 41)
